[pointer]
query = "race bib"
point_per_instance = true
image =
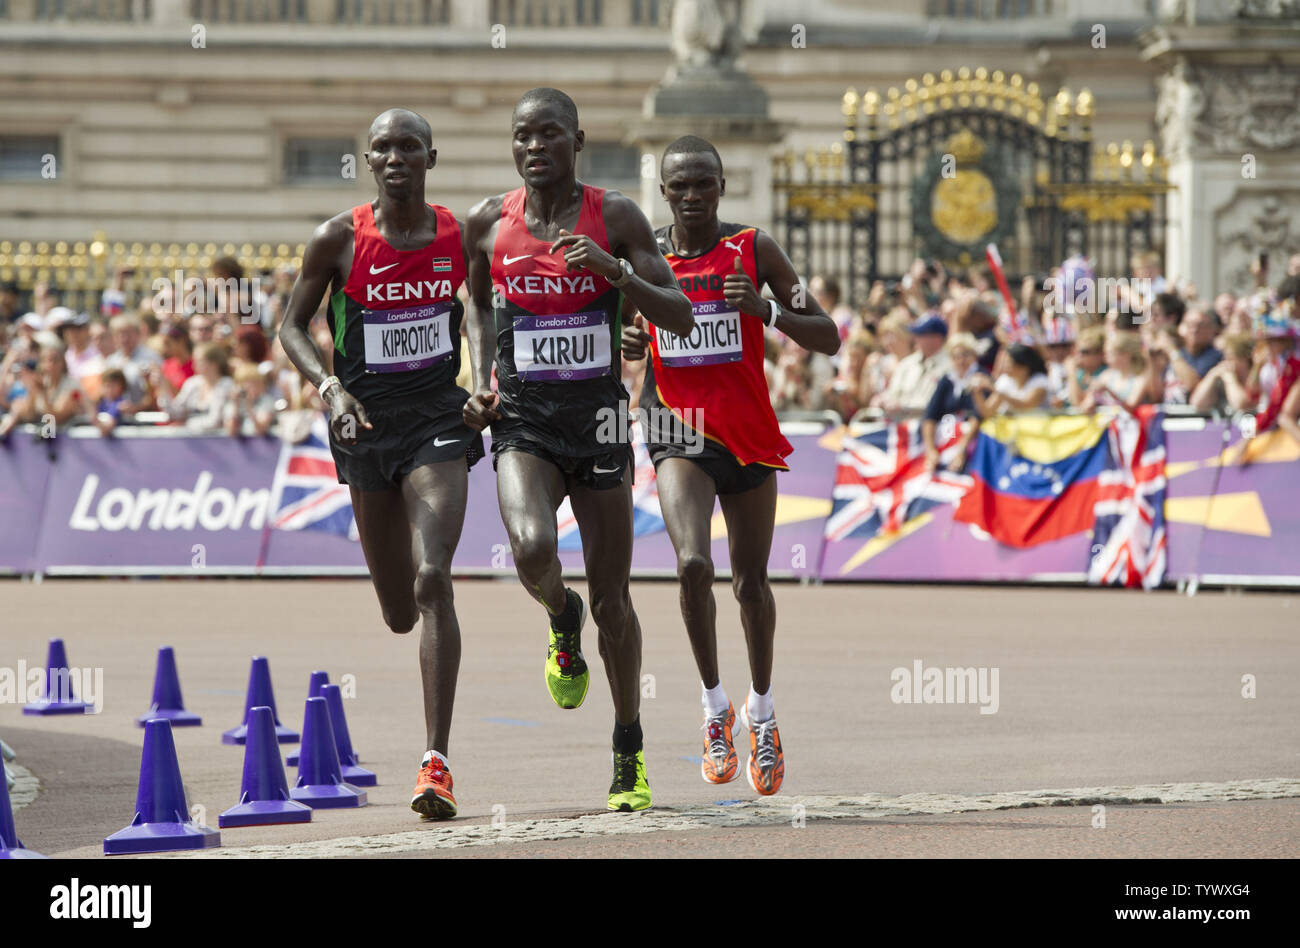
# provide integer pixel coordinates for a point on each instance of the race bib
(562, 347)
(715, 338)
(401, 340)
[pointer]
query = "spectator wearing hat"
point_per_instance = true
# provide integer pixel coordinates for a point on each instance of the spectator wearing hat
(85, 363)
(954, 395)
(1276, 370)
(914, 381)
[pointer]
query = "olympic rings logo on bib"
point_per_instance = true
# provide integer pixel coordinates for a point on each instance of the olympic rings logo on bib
(562, 347)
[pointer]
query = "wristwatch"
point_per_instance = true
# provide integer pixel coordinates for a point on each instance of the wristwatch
(624, 275)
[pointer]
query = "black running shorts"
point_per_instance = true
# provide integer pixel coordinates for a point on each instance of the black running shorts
(407, 435)
(729, 475)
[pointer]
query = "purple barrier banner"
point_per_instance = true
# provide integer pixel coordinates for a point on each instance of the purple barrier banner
(183, 505)
(172, 505)
(24, 478)
(1233, 522)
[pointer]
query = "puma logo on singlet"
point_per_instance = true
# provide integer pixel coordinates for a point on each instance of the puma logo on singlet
(735, 247)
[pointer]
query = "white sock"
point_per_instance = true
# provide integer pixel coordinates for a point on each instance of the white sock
(759, 707)
(429, 755)
(715, 699)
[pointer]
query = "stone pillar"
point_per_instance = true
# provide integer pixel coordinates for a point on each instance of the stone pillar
(1230, 127)
(707, 93)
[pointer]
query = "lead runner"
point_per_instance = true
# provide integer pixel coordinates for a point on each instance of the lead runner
(714, 381)
(552, 264)
(396, 429)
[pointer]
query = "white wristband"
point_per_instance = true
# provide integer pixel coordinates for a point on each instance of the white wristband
(774, 310)
(327, 382)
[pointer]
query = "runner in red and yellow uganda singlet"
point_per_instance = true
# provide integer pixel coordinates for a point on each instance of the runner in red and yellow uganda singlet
(713, 379)
(558, 355)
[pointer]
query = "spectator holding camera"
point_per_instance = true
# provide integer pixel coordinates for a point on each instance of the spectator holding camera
(52, 394)
(251, 411)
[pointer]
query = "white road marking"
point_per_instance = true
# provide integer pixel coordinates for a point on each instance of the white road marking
(758, 812)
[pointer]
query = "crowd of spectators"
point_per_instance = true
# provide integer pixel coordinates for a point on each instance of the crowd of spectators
(939, 343)
(204, 357)
(932, 344)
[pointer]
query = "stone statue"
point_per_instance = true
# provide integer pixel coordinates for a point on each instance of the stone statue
(708, 34)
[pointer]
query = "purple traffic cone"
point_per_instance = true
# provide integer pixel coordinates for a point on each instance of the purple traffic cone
(167, 702)
(11, 847)
(162, 816)
(317, 681)
(320, 779)
(352, 773)
(264, 791)
(59, 697)
(260, 695)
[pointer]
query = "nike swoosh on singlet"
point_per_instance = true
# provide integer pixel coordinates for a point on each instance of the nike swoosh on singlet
(373, 271)
(438, 442)
(506, 259)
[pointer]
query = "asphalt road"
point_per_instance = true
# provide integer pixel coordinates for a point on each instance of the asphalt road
(1102, 696)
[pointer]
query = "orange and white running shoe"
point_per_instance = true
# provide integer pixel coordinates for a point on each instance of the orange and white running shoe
(432, 798)
(719, 763)
(766, 769)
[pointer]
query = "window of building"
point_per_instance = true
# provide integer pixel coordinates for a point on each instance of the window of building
(28, 156)
(321, 161)
(610, 165)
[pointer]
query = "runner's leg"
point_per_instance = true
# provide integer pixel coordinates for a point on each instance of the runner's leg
(751, 517)
(686, 494)
(529, 490)
(435, 496)
(386, 543)
(605, 522)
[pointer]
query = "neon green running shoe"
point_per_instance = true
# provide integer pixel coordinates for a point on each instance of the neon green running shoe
(566, 670)
(629, 790)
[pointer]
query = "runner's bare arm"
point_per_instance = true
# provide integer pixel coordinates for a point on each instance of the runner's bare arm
(320, 267)
(652, 288)
(807, 324)
(480, 410)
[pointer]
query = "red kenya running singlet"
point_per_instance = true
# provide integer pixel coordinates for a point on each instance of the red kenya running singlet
(715, 375)
(396, 322)
(558, 358)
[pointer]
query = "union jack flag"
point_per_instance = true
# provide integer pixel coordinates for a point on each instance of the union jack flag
(1129, 545)
(881, 481)
(306, 494)
(646, 514)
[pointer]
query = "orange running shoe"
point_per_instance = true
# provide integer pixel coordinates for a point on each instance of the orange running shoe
(719, 763)
(766, 769)
(432, 798)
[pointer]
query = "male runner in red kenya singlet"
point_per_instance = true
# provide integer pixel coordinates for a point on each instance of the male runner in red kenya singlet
(550, 267)
(396, 428)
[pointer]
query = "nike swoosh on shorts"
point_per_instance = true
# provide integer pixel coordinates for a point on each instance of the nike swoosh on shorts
(438, 442)
(601, 470)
